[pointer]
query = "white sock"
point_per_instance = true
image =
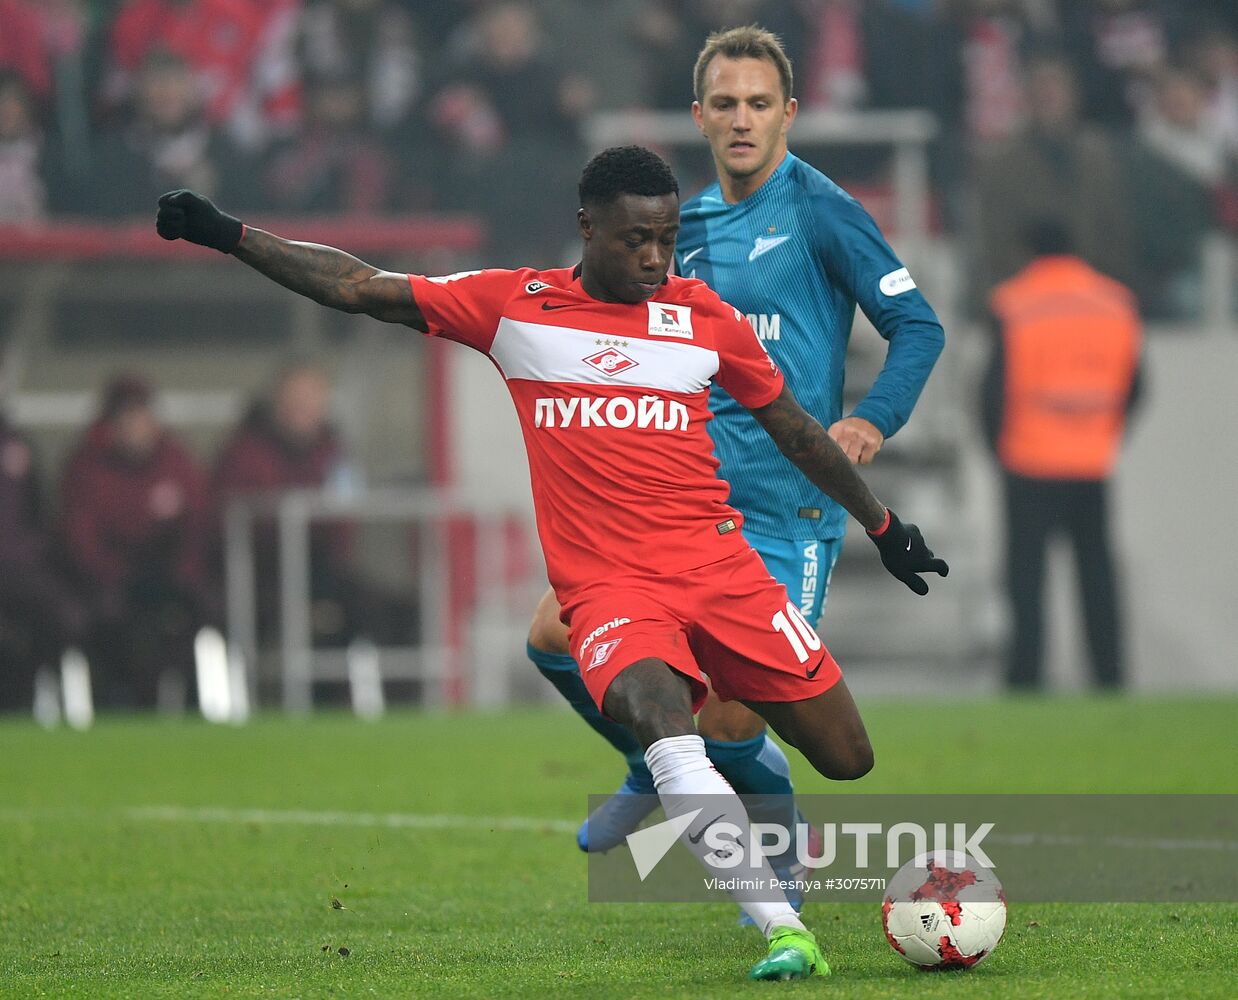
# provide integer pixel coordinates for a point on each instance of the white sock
(681, 772)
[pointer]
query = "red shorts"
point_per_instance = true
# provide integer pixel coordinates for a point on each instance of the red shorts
(729, 620)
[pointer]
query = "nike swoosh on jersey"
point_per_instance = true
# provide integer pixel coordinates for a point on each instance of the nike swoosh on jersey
(546, 306)
(688, 256)
(764, 244)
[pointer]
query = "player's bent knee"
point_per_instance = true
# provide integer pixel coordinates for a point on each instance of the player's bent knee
(841, 760)
(860, 763)
(547, 632)
(854, 762)
(548, 640)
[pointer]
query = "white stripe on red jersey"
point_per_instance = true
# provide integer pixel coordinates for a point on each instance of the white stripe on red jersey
(564, 354)
(613, 401)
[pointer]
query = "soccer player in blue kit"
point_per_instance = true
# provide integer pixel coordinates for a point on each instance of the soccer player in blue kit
(779, 241)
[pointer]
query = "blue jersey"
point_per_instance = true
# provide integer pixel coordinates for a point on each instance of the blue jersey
(796, 257)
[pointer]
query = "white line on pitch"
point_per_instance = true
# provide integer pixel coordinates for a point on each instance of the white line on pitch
(394, 821)
(532, 824)
(418, 821)
(1135, 843)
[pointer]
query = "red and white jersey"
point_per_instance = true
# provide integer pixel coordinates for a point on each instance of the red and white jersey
(612, 400)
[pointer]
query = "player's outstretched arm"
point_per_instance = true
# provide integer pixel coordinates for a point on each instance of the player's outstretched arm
(326, 275)
(807, 444)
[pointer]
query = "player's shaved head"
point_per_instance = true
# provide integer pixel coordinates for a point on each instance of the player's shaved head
(748, 42)
(624, 170)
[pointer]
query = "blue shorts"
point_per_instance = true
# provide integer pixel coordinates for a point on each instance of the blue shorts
(803, 567)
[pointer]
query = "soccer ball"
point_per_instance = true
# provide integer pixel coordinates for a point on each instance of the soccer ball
(944, 911)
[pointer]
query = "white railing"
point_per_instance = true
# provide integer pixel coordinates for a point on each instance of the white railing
(445, 659)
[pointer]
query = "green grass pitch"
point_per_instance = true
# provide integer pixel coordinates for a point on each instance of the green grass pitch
(150, 858)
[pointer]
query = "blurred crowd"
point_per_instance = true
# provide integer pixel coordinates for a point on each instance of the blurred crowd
(1121, 113)
(125, 565)
(1115, 119)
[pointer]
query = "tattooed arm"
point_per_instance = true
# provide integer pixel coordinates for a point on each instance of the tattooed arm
(324, 274)
(332, 278)
(807, 444)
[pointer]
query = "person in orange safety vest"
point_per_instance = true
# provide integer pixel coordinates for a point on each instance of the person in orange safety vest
(1063, 380)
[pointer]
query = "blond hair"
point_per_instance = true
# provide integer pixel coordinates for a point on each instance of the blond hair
(748, 42)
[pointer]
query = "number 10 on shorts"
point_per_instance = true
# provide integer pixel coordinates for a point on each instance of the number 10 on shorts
(794, 626)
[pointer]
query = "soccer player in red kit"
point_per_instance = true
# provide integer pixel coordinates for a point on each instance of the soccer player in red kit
(609, 366)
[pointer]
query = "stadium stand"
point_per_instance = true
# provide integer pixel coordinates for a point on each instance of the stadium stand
(436, 136)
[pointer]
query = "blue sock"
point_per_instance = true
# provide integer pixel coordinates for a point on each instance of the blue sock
(561, 670)
(758, 770)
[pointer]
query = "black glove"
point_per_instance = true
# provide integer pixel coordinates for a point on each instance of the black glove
(184, 215)
(904, 554)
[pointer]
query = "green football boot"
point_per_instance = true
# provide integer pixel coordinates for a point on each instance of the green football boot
(793, 954)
